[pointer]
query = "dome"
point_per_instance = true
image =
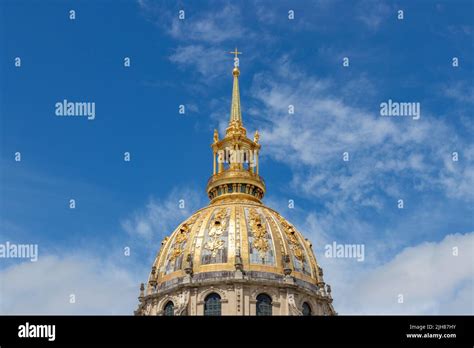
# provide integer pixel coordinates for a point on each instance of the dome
(236, 256)
(236, 234)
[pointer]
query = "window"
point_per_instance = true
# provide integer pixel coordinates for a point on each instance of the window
(264, 304)
(306, 309)
(212, 305)
(169, 309)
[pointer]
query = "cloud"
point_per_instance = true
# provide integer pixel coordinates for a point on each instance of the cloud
(460, 91)
(460, 29)
(103, 280)
(45, 286)
(212, 27)
(373, 13)
(206, 27)
(209, 62)
(161, 216)
(386, 154)
(431, 279)
(204, 38)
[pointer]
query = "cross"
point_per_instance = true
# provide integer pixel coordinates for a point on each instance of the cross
(236, 52)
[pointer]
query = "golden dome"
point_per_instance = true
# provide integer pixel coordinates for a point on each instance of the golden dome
(236, 234)
(236, 246)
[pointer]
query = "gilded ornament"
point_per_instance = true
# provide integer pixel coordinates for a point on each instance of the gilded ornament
(181, 238)
(293, 240)
(256, 137)
(216, 229)
(259, 233)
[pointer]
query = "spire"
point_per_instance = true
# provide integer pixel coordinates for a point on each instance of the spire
(235, 156)
(235, 122)
(235, 112)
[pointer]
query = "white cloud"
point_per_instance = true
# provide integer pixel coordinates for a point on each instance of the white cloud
(460, 91)
(213, 27)
(101, 282)
(373, 13)
(205, 38)
(45, 286)
(161, 216)
(206, 27)
(383, 152)
(431, 279)
(209, 62)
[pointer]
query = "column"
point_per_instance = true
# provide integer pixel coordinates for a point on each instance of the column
(214, 162)
(256, 161)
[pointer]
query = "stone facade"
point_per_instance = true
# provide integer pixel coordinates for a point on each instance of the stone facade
(238, 296)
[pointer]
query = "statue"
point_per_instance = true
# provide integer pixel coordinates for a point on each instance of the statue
(256, 137)
(216, 136)
(292, 305)
(183, 301)
(238, 261)
(287, 266)
(188, 268)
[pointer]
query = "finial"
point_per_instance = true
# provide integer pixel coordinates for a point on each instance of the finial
(236, 71)
(236, 53)
(216, 136)
(235, 112)
(256, 137)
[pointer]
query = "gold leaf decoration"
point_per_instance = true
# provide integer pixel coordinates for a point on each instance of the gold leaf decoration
(259, 233)
(181, 238)
(292, 239)
(216, 229)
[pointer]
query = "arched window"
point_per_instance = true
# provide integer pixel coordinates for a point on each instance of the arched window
(264, 304)
(169, 309)
(212, 304)
(306, 309)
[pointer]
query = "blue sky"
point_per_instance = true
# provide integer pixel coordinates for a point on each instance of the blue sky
(297, 62)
